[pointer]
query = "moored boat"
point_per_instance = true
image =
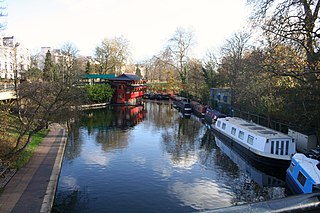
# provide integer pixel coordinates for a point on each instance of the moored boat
(303, 175)
(212, 115)
(198, 109)
(266, 147)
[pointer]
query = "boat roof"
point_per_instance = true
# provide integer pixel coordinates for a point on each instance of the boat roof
(255, 128)
(309, 165)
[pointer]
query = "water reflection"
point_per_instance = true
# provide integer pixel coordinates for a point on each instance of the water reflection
(151, 159)
(249, 183)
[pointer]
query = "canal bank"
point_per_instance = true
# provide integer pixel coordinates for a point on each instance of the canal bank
(33, 187)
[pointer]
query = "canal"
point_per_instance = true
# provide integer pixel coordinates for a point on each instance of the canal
(152, 159)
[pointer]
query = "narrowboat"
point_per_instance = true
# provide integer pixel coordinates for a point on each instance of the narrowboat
(198, 109)
(184, 107)
(212, 115)
(303, 175)
(266, 147)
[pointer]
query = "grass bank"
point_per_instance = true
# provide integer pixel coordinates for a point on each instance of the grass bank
(25, 156)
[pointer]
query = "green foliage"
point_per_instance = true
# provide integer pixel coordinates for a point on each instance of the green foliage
(99, 93)
(48, 69)
(27, 153)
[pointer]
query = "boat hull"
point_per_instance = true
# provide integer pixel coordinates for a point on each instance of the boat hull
(272, 166)
(292, 184)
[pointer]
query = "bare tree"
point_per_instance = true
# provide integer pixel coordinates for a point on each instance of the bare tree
(3, 14)
(112, 54)
(180, 45)
(41, 103)
(297, 23)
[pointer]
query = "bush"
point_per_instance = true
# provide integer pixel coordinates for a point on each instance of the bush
(100, 93)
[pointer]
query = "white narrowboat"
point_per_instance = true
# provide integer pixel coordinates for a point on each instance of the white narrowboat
(266, 147)
(303, 175)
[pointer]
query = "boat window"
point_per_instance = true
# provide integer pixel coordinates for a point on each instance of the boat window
(282, 147)
(233, 131)
(241, 135)
(272, 147)
(250, 139)
(302, 179)
(287, 147)
(219, 123)
(223, 125)
(291, 167)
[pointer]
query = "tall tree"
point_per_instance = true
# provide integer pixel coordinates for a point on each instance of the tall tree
(112, 54)
(297, 23)
(69, 64)
(180, 44)
(232, 63)
(48, 70)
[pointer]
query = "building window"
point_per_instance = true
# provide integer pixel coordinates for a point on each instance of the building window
(241, 135)
(233, 131)
(302, 179)
(250, 139)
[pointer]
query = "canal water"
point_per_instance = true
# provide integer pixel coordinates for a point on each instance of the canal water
(152, 159)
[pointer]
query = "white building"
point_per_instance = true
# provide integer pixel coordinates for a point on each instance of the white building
(56, 56)
(14, 58)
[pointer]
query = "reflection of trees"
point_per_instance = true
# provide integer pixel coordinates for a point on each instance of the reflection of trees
(160, 115)
(207, 149)
(180, 139)
(104, 124)
(71, 201)
(73, 147)
(111, 140)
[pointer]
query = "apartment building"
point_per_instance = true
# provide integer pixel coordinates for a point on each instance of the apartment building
(14, 58)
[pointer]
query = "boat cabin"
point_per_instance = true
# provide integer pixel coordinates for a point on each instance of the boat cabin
(303, 175)
(261, 140)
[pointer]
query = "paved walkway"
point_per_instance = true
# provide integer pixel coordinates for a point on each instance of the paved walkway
(33, 187)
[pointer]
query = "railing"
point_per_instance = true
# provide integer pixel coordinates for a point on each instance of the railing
(6, 87)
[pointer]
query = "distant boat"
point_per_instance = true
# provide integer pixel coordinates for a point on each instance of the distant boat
(182, 105)
(198, 109)
(303, 175)
(212, 115)
(266, 147)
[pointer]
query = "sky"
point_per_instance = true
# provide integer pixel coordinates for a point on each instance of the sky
(146, 24)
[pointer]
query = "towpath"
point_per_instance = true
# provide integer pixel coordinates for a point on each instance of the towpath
(33, 187)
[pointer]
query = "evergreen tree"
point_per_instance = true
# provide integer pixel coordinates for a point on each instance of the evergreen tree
(88, 67)
(48, 67)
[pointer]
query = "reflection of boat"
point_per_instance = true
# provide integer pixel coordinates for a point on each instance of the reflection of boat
(258, 176)
(128, 116)
(264, 146)
(303, 175)
(182, 105)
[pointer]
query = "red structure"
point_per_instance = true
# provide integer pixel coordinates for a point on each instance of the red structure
(129, 89)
